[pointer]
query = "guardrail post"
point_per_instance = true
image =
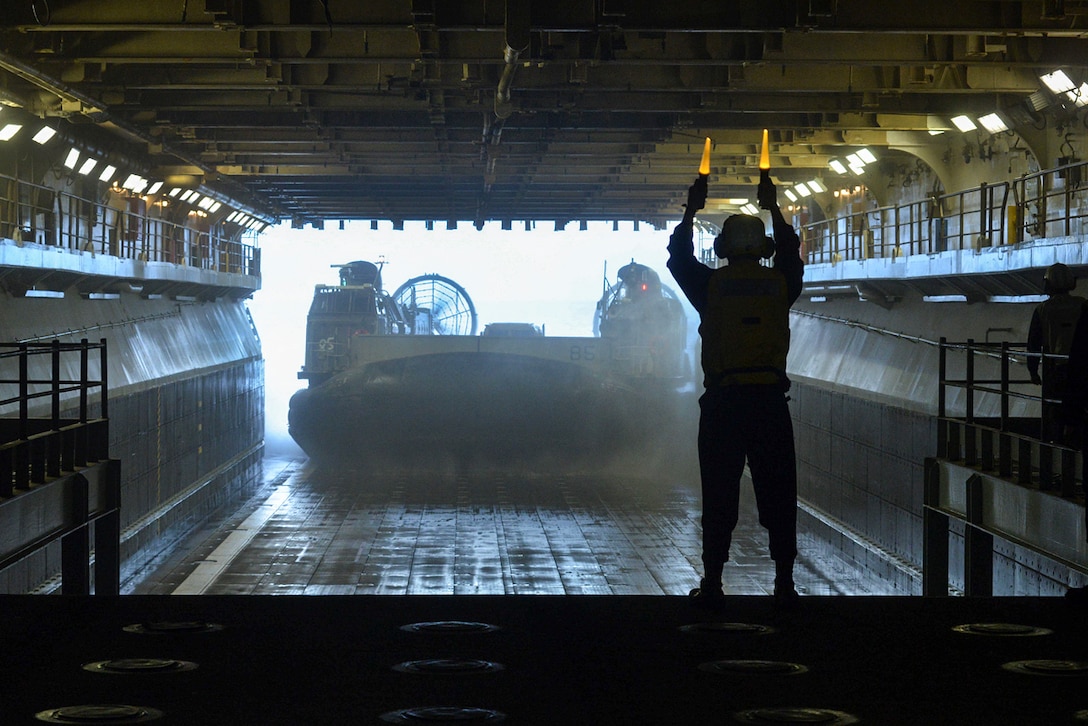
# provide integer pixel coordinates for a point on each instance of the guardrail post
(935, 534)
(1068, 472)
(54, 442)
(24, 392)
(942, 399)
(1024, 467)
(107, 537)
(970, 456)
(978, 558)
(75, 548)
(1046, 466)
(1004, 455)
(7, 472)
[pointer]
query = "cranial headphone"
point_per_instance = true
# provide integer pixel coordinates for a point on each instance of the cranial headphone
(743, 235)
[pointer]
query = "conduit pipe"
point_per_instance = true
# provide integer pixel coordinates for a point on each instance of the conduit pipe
(517, 42)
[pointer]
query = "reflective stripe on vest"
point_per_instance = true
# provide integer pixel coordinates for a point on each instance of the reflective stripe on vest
(745, 326)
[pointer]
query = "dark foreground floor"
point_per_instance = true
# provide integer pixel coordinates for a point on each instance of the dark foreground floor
(556, 660)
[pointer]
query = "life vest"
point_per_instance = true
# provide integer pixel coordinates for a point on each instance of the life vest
(745, 327)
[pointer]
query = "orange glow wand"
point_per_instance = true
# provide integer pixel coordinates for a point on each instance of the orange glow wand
(764, 158)
(765, 192)
(697, 191)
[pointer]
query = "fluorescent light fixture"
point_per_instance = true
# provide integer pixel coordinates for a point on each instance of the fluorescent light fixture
(72, 159)
(802, 189)
(55, 294)
(963, 123)
(188, 195)
(858, 169)
(790, 195)
(155, 187)
(87, 167)
(1018, 298)
(44, 134)
(854, 160)
(837, 166)
(175, 191)
(867, 156)
(232, 216)
(737, 200)
(936, 132)
(750, 208)
(9, 130)
(134, 183)
(216, 207)
(944, 298)
(993, 123)
(206, 203)
(1057, 82)
(107, 173)
(816, 186)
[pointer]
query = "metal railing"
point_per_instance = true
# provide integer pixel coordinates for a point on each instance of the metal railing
(981, 459)
(56, 478)
(1046, 204)
(1010, 446)
(123, 225)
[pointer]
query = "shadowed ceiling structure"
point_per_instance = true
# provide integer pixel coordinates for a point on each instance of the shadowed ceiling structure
(477, 110)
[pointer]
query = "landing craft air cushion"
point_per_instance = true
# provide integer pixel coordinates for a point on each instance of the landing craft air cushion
(404, 376)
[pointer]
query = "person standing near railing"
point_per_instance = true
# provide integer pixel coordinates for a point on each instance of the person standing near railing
(1051, 334)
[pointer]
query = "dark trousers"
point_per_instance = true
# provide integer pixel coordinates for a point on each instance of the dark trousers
(752, 423)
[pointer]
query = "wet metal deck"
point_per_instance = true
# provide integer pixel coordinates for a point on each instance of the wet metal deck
(315, 531)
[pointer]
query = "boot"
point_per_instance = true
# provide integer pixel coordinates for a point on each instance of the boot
(785, 593)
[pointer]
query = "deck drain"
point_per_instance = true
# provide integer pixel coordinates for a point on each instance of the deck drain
(448, 665)
(1048, 667)
(99, 713)
(140, 665)
(795, 715)
(742, 628)
(443, 714)
(171, 627)
(1001, 629)
(766, 667)
(449, 626)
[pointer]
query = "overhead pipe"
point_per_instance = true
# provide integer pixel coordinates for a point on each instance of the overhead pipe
(517, 28)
